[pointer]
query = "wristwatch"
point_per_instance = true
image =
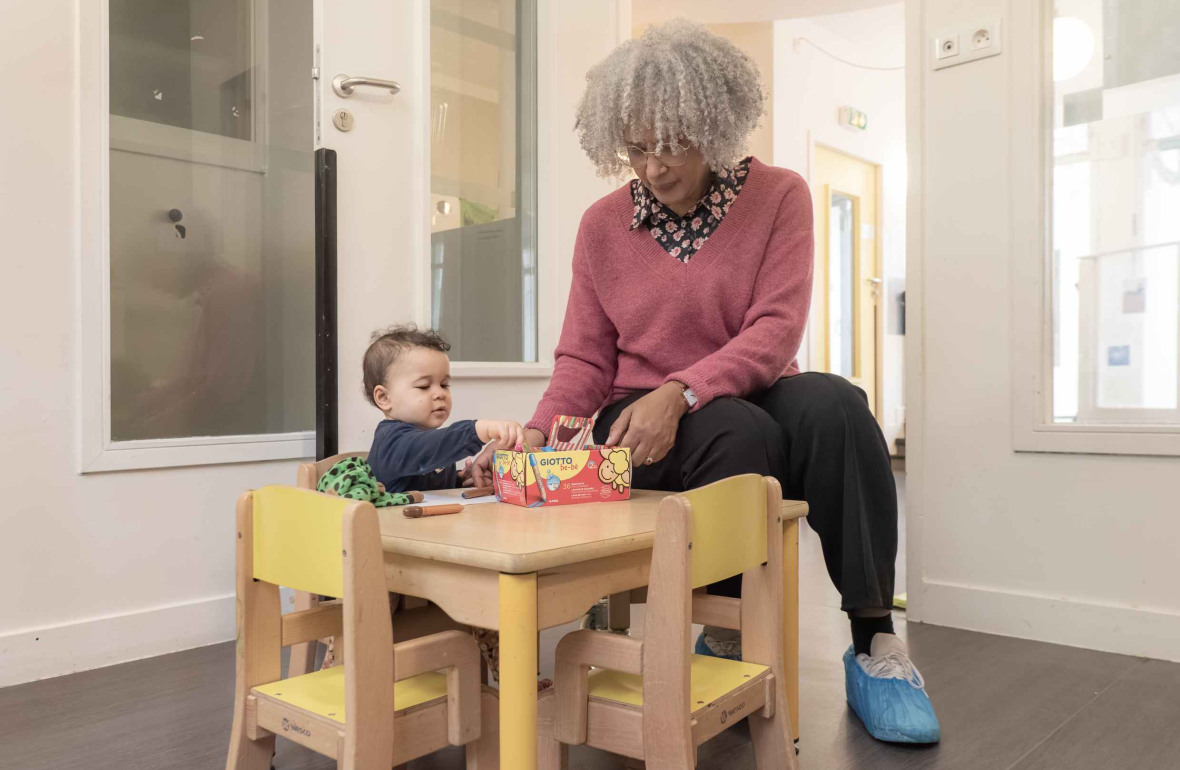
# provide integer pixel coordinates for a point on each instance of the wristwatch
(690, 397)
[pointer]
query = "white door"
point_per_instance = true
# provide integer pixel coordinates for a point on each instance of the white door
(380, 177)
(436, 184)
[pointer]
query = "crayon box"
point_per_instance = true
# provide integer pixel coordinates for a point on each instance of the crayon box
(563, 477)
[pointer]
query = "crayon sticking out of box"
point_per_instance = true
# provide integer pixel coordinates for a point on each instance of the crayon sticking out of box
(568, 432)
(530, 479)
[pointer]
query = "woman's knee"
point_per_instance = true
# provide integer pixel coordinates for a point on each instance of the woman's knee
(830, 401)
(733, 424)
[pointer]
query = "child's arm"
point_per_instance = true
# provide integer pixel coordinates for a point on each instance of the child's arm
(406, 450)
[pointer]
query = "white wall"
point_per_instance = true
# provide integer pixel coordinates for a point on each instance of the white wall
(115, 566)
(1074, 549)
(809, 89)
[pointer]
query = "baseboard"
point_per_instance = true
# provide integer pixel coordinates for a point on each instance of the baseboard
(41, 653)
(1150, 633)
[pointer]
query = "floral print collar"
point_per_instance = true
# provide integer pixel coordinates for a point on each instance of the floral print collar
(683, 237)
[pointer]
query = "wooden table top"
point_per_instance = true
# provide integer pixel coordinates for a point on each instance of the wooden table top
(508, 538)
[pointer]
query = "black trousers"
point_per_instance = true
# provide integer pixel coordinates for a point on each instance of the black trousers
(815, 434)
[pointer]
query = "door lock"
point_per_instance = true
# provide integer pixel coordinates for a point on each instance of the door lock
(343, 120)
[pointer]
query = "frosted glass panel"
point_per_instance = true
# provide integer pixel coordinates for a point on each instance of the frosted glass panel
(483, 177)
(841, 284)
(211, 218)
(1115, 196)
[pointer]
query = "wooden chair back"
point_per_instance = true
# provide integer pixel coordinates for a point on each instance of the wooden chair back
(731, 527)
(320, 544)
(309, 474)
(303, 656)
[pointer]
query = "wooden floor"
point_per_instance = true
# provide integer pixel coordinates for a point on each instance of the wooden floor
(1003, 703)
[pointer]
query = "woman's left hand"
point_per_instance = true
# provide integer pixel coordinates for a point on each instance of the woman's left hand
(649, 425)
(479, 472)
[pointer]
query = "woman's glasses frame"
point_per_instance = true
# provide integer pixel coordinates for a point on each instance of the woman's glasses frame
(674, 154)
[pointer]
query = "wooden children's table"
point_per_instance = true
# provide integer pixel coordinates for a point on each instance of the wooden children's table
(518, 570)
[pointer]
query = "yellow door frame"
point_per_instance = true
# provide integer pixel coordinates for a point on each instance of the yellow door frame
(877, 396)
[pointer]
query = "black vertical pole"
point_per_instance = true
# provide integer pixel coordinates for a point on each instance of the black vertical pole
(327, 417)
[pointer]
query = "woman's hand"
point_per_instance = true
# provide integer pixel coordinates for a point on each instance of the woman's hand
(534, 438)
(479, 472)
(649, 425)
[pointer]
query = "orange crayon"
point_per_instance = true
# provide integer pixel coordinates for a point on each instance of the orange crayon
(419, 511)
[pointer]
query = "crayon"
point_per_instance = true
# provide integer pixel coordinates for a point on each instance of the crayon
(478, 492)
(418, 511)
(537, 476)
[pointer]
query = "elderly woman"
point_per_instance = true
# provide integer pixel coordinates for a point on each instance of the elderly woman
(691, 290)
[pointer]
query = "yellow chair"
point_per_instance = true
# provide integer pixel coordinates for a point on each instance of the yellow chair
(654, 701)
(414, 617)
(387, 703)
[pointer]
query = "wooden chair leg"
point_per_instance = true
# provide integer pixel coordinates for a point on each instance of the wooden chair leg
(484, 753)
(618, 611)
(245, 754)
(771, 737)
(552, 754)
(303, 654)
(791, 620)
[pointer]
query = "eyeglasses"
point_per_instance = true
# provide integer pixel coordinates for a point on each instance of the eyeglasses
(667, 154)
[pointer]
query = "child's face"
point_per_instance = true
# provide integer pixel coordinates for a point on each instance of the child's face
(417, 388)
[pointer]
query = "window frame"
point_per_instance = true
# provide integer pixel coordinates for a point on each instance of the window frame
(536, 126)
(97, 452)
(1031, 359)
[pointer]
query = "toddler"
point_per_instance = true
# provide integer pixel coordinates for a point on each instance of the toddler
(407, 376)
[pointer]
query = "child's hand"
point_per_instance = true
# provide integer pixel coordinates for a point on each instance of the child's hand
(505, 433)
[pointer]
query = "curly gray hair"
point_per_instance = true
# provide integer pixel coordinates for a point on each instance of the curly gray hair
(679, 81)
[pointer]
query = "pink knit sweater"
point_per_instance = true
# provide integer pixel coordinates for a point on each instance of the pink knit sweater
(727, 323)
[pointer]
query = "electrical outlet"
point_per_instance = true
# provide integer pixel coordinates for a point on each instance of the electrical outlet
(947, 46)
(959, 46)
(982, 38)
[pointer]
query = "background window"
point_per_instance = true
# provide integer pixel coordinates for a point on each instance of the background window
(211, 219)
(483, 177)
(1115, 203)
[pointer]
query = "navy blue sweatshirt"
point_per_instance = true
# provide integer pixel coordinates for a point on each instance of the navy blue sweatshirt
(405, 457)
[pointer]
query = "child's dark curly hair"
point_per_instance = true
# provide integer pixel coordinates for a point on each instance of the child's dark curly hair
(387, 344)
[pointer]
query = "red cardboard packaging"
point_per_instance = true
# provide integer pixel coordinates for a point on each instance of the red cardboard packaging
(567, 477)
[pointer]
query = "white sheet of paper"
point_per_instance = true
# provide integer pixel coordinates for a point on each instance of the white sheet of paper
(450, 498)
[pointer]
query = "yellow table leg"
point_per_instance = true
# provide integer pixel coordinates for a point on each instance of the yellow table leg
(518, 671)
(791, 618)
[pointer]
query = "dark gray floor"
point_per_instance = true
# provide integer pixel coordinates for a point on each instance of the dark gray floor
(1003, 703)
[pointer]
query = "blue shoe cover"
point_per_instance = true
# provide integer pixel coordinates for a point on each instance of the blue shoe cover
(703, 649)
(892, 701)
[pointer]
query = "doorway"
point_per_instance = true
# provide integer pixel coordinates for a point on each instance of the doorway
(844, 193)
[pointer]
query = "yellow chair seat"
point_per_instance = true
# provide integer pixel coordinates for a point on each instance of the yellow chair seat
(322, 692)
(711, 679)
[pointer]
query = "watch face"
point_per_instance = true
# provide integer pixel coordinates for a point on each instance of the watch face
(690, 397)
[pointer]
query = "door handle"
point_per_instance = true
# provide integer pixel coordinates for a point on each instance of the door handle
(875, 287)
(345, 86)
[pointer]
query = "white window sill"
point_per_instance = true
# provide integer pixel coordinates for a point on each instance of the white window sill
(1100, 439)
(205, 450)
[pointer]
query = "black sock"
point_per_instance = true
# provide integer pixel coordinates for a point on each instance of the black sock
(864, 628)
